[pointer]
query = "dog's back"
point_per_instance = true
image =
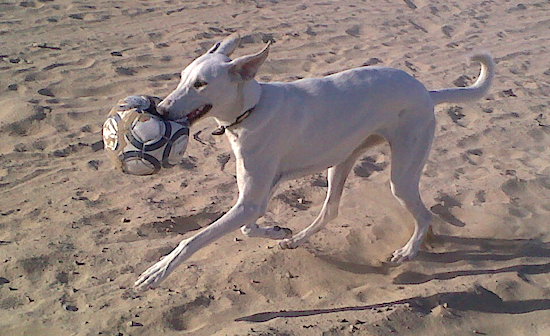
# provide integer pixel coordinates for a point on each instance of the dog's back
(323, 119)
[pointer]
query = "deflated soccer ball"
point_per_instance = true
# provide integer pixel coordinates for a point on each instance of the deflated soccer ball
(141, 142)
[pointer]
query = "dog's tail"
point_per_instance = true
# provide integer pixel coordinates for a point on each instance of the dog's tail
(474, 92)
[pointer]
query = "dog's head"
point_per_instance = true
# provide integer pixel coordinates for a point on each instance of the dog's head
(211, 83)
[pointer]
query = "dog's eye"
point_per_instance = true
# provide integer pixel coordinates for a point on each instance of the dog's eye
(199, 83)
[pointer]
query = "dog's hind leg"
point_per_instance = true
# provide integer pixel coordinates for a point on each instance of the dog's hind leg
(336, 178)
(410, 147)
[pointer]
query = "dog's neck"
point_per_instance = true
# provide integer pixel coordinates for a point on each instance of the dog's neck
(248, 96)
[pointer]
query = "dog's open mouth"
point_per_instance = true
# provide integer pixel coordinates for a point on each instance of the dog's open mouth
(198, 113)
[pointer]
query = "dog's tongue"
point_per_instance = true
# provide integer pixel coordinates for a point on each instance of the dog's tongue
(193, 115)
(198, 112)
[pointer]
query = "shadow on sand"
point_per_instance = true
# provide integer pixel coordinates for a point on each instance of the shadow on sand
(479, 299)
(481, 249)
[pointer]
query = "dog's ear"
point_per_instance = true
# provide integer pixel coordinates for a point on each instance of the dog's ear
(227, 46)
(245, 68)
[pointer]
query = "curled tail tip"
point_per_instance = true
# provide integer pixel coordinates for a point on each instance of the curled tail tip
(483, 57)
(487, 72)
(472, 92)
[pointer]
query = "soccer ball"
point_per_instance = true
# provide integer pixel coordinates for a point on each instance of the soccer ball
(141, 142)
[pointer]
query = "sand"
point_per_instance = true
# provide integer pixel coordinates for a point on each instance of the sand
(75, 234)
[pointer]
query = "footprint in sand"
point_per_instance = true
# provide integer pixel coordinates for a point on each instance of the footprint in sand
(294, 198)
(178, 225)
(33, 267)
(447, 30)
(353, 31)
(463, 81)
(523, 193)
(367, 166)
(125, 71)
(372, 61)
(46, 92)
(479, 197)
(28, 4)
(177, 318)
(25, 125)
(473, 156)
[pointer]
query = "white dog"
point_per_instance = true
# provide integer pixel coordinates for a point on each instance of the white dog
(281, 131)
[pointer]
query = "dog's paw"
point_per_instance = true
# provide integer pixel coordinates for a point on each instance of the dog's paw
(403, 254)
(291, 243)
(287, 244)
(282, 233)
(152, 276)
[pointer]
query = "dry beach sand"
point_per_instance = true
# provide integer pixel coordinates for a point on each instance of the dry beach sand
(74, 234)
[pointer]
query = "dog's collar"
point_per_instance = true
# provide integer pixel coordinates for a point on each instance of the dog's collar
(221, 130)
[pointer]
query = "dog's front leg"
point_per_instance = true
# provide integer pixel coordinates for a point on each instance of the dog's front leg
(244, 212)
(255, 188)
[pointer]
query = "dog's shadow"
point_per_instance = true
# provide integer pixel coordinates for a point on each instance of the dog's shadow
(480, 249)
(470, 249)
(478, 299)
(458, 249)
